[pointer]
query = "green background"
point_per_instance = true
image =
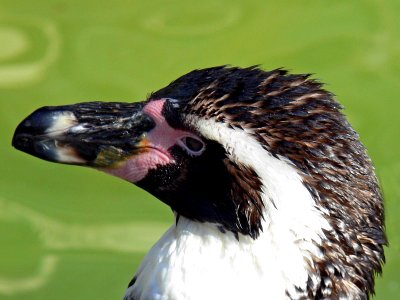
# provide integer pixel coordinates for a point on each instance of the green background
(74, 233)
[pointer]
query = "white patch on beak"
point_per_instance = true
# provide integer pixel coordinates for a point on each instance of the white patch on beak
(67, 154)
(62, 121)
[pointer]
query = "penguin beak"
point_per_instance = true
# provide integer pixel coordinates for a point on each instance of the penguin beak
(96, 134)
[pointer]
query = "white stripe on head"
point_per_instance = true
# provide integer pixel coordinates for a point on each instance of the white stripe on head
(292, 220)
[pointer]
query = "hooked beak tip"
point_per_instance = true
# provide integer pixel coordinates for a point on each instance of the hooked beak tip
(35, 134)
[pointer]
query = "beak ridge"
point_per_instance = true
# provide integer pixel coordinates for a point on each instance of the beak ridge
(77, 134)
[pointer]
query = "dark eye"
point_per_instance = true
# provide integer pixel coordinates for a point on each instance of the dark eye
(192, 145)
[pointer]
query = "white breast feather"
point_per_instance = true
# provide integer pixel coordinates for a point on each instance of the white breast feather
(197, 261)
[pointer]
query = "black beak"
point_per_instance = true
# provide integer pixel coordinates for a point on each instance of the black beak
(97, 134)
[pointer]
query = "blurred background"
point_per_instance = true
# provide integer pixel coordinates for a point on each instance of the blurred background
(74, 233)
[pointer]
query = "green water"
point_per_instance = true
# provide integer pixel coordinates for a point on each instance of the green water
(73, 233)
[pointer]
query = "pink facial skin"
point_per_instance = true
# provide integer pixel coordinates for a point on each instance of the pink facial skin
(156, 146)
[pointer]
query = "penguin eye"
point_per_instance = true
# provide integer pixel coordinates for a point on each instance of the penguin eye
(193, 146)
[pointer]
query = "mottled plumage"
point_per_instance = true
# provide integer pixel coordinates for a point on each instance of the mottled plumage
(275, 196)
(292, 116)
